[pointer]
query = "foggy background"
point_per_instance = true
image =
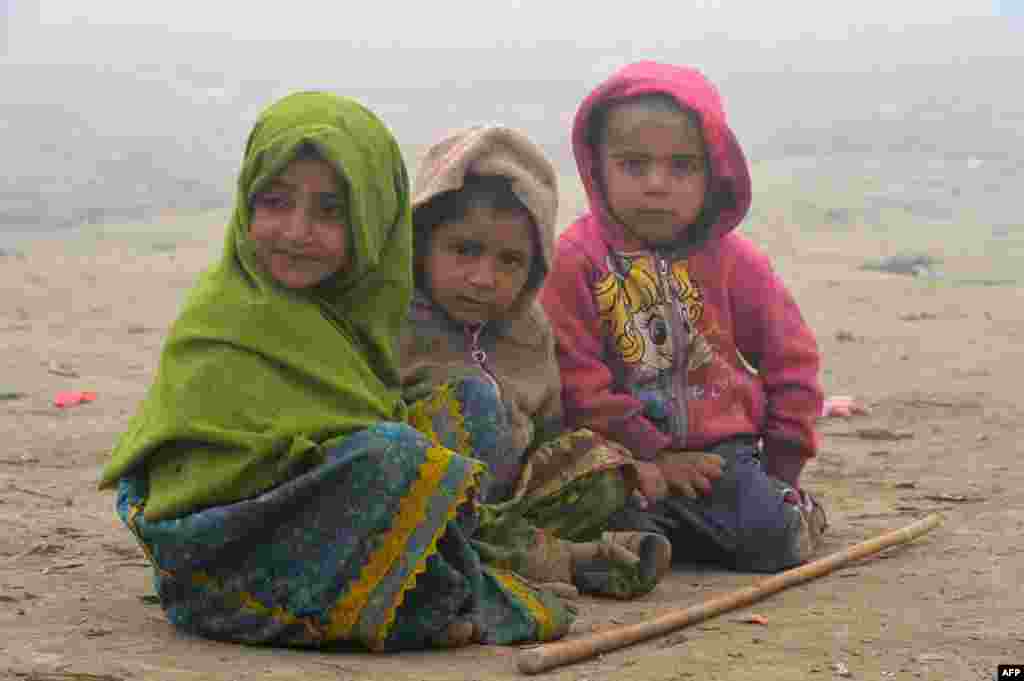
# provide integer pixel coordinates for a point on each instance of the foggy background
(117, 111)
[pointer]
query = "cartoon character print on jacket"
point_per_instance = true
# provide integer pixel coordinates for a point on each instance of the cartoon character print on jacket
(634, 310)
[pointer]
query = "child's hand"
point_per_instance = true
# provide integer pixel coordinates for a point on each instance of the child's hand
(651, 484)
(690, 473)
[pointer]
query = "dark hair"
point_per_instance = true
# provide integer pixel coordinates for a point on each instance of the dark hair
(596, 133)
(490, 192)
(308, 151)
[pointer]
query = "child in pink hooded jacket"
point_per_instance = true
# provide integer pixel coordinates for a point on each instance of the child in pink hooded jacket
(674, 335)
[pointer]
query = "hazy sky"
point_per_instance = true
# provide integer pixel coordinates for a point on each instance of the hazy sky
(801, 78)
(476, 22)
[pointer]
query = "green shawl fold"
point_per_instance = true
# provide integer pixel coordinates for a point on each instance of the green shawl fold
(255, 380)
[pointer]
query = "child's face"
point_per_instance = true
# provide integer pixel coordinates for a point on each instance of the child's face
(478, 266)
(298, 225)
(654, 170)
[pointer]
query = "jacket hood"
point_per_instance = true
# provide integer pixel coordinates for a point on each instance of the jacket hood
(502, 151)
(729, 186)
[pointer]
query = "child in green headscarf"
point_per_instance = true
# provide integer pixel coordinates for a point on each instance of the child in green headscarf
(270, 475)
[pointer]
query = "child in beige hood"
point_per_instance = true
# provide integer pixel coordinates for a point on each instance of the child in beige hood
(479, 349)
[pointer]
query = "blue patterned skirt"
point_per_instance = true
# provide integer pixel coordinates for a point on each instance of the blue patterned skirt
(372, 547)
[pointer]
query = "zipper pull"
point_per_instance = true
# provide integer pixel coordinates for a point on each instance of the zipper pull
(669, 281)
(478, 355)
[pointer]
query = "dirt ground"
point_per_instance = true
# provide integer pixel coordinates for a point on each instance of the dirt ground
(938, 364)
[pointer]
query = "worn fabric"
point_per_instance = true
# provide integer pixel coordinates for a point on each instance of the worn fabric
(255, 381)
(270, 475)
(519, 357)
(572, 484)
(539, 478)
(683, 346)
(567, 490)
(748, 522)
(568, 486)
(517, 351)
(467, 416)
(370, 547)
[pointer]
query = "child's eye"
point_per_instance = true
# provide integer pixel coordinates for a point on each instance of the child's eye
(513, 260)
(332, 209)
(687, 165)
(468, 249)
(272, 201)
(634, 166)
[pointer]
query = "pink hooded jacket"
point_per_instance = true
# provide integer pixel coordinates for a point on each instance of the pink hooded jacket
(724, 353)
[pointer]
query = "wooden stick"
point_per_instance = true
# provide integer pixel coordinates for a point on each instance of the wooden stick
(544, 657)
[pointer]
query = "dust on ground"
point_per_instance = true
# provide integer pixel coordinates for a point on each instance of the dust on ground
(938, 364)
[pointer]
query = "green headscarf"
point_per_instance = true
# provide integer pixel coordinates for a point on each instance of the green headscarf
(255, 379)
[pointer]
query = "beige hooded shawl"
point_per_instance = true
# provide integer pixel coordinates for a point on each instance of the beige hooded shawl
(520, 348)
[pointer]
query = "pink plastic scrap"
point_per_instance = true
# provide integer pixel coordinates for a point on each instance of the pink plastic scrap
(842, 406)
(71, 398)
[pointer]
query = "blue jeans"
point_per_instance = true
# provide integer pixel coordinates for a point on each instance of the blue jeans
(745, 523)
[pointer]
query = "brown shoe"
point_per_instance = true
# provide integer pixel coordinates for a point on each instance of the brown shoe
(813, 524)
(459, 633)
(613, 569)
(651, 548)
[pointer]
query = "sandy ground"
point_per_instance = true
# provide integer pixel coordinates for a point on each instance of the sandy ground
(939, 365)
